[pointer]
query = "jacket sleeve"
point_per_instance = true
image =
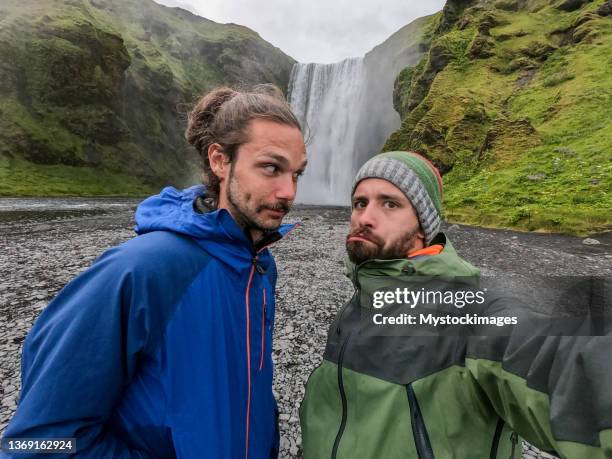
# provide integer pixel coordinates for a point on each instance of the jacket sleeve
(80, 354)
(554, 391)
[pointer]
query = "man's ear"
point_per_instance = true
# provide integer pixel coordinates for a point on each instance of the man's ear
(219, 162)
(421, 234)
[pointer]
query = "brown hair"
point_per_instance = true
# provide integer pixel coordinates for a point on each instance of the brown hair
(222, 117)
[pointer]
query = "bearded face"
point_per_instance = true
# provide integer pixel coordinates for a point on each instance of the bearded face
(259, 184)
(384, 224)
(253, 210)
(373, 247)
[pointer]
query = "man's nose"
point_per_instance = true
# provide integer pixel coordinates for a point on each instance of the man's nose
(286, 188)
(367, 216)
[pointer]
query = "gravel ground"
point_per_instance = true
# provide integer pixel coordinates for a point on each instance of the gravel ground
(44, 250)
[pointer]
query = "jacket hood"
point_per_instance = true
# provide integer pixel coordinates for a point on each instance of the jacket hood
(215, 231)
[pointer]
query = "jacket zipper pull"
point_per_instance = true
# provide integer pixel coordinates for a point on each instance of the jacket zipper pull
(258, 268)
(514, 440)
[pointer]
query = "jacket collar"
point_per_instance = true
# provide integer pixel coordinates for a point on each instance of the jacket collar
(446, 263)
(215, 231)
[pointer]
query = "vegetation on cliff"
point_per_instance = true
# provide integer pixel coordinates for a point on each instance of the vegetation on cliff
(513, 101)
(93, 93)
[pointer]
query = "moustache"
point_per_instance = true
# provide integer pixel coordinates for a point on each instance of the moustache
(365, 233)
(282, 206)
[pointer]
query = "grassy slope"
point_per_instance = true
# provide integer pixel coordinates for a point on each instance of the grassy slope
(525, 128)
(23, 178)
(91, 92)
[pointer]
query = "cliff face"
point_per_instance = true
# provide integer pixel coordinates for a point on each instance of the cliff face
(382, 64)
(513, 101)
(93, 93)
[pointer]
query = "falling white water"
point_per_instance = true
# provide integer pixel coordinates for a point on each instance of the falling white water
(328, 100)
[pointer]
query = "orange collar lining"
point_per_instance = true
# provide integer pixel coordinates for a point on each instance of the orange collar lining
(431, 250)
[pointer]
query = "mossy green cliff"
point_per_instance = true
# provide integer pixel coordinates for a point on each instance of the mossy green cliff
(94, 93)
(513, 101)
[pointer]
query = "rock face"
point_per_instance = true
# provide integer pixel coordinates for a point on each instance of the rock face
(104, 84)
(501, 88)
(572, 5)
(382, 64)
(605, 9)
(452, 12)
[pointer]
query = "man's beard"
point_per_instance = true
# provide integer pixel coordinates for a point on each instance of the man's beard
(247, 218)
(359, 251)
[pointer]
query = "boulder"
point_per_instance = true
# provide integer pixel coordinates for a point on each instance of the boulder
(464, 22)
(489, 21)
(536, 177)
(585, 28)
(508, 36)
(482, 47)
(538, 50)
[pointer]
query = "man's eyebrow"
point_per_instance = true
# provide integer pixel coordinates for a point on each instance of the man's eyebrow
(384, 197)
(275, 156)
(281, 159)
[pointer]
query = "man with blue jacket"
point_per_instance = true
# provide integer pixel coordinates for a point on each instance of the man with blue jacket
(162, 348)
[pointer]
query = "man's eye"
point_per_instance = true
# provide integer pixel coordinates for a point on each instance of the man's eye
(271, 169)
(358, 205)
(390, 204)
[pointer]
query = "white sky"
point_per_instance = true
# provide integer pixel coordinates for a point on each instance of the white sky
(321, 31)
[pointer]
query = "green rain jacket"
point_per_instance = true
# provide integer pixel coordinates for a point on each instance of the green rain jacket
(452, 396)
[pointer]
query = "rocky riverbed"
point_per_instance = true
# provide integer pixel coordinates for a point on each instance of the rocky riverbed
(43, 247)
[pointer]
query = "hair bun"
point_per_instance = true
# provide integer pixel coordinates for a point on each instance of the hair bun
(202, 116)
(268, 89)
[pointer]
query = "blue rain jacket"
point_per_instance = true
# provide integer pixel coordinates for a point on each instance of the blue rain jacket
(163, 347)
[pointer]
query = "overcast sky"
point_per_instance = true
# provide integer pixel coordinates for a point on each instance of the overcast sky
(316, 30)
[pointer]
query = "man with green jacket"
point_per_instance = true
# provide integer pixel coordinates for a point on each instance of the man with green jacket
(380, 394)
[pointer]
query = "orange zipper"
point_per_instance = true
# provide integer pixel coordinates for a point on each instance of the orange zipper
(248, 341)
(263, 321)
(248, 347)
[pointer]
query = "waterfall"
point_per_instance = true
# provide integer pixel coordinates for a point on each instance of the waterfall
(347, 110)
(328, 101)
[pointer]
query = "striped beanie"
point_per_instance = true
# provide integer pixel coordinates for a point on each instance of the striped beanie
(418, 179)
